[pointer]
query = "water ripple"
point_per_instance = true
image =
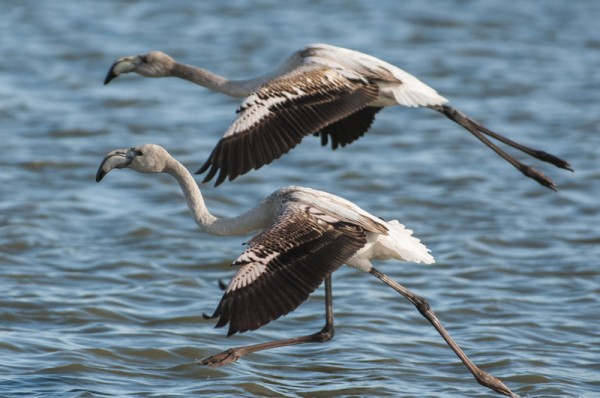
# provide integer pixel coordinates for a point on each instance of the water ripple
(103, 286)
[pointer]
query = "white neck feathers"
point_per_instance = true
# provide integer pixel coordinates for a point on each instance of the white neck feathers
(258, 217)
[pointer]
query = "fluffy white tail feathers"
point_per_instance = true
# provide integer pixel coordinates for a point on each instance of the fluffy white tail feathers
(398, 244)
(402, 245)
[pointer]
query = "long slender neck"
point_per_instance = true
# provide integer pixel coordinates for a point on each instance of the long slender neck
(212, 81)
(256, 218)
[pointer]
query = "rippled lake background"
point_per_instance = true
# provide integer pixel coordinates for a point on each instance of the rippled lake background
(103, 286)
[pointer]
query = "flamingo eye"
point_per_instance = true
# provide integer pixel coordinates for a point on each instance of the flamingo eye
(135, 152)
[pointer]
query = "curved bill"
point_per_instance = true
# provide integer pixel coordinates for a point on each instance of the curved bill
(116, 159)
(120, 66)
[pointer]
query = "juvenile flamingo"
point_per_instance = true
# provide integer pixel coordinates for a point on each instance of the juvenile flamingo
(321, 89)
(306, 235)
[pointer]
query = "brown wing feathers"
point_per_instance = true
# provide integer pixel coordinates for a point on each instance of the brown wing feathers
(298, 262)
(350, 128)
(287, 122)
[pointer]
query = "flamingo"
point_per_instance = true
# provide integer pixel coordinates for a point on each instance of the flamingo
(305, 235)
(321, 89)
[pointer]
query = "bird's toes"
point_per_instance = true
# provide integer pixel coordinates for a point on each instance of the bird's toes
(220, 359)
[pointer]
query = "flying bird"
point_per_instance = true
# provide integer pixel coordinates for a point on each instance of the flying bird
(321, 89)
(305, 235)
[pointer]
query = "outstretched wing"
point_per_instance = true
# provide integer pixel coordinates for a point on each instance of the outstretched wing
(350, 128)
(284, 264)
(274, 119)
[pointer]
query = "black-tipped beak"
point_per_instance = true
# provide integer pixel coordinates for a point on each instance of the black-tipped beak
(100, 175)
(116, 159)
(122, 65)
(110, 75)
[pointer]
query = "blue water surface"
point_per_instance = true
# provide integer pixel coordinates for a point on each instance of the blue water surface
(103, 286)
